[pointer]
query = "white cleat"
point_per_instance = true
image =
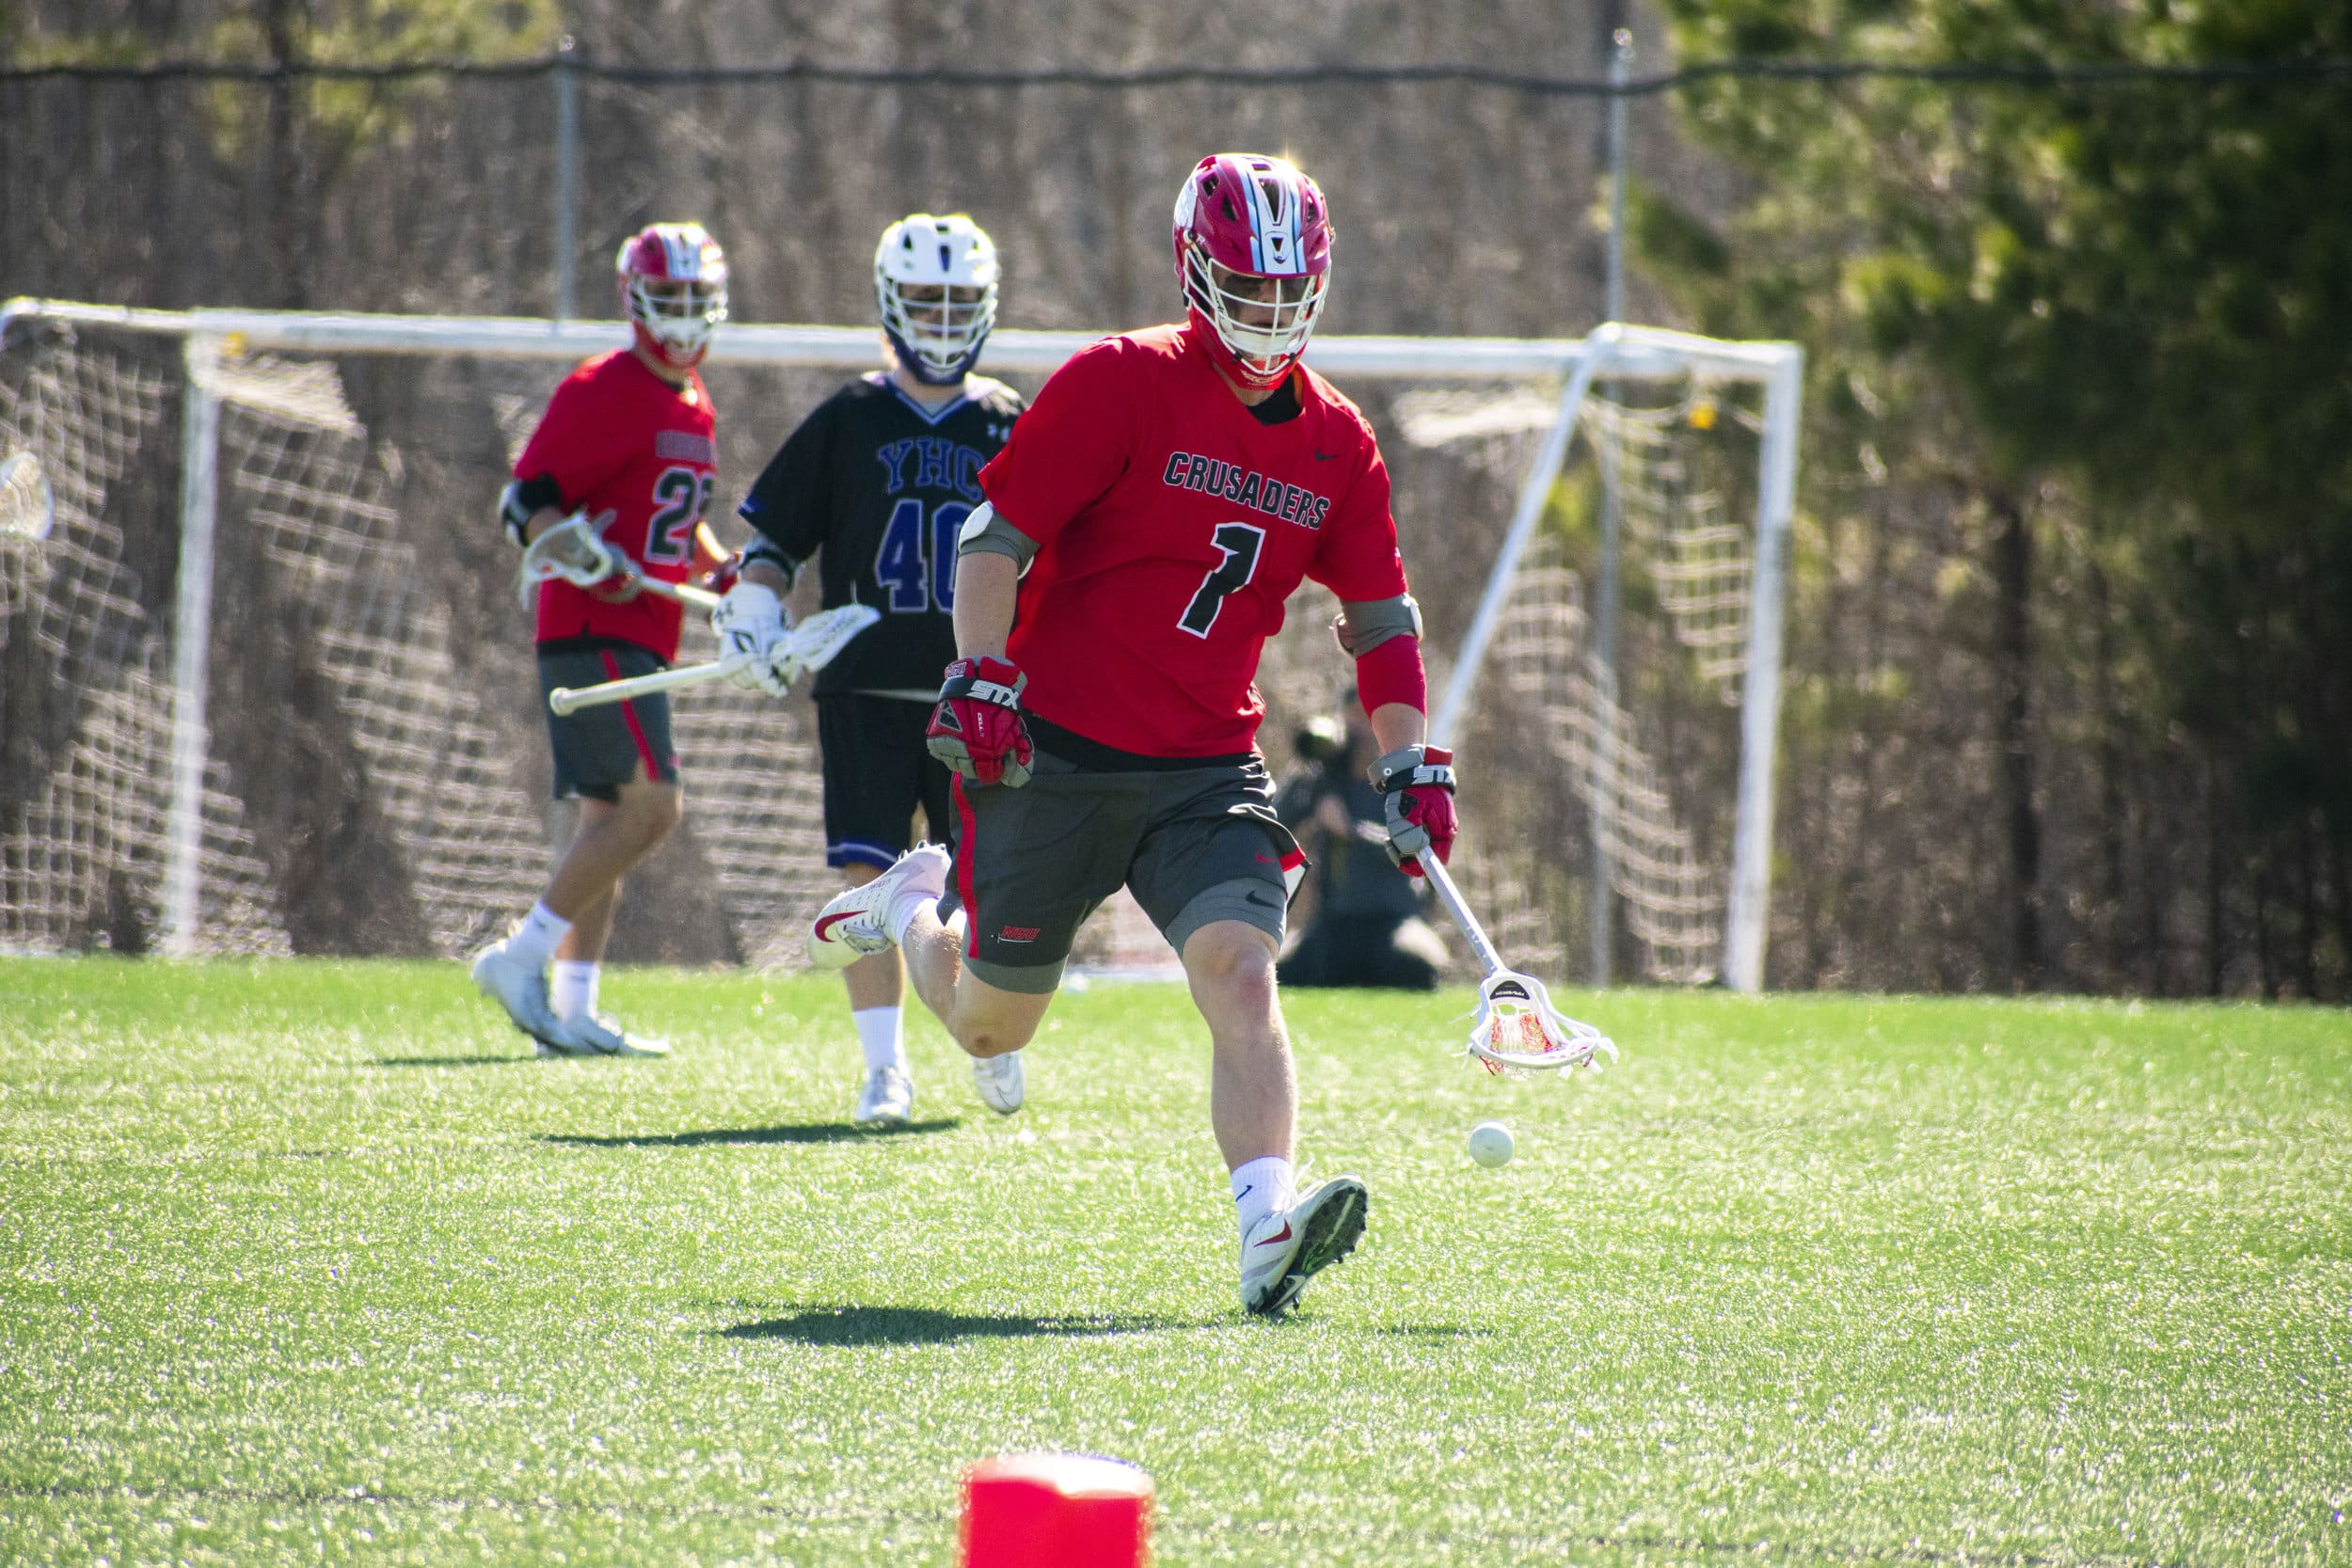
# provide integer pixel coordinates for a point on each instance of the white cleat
(592, 1036)
(887, 1100)
(1000, 1082)
(1291, 1245)
(523, 992)
(857, 924)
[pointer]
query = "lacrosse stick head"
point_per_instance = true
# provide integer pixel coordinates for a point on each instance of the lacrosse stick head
(1519, 1030)
(819, 637)
(28, 508)
(573, 550)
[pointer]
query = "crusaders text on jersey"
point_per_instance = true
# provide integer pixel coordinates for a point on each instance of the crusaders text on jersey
(878, 485)
(618, 439)
(1173, 527)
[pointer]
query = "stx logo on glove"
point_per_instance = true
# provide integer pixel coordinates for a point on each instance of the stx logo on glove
(977, 728)
(1415, 786)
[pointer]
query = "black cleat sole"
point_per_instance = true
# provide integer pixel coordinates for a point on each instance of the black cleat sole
(1332, 1233)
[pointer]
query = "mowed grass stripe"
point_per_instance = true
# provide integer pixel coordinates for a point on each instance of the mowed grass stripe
(1820, 1279)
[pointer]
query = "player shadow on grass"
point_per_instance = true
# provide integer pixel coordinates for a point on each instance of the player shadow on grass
(789, 1132)
(922, 1326)
(447, 1061)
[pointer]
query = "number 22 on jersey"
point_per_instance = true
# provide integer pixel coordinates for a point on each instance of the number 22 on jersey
(681, 496)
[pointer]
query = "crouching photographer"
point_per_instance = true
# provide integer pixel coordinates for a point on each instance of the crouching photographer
(1358, 917)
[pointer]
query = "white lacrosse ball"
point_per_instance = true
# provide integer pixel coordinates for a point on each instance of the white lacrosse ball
(1490, 1144)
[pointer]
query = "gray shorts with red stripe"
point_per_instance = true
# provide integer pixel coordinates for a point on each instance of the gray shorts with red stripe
(1194, 845)
(600, 749)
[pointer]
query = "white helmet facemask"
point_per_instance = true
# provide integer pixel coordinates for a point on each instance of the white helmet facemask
(1265, 320)
(679, 312)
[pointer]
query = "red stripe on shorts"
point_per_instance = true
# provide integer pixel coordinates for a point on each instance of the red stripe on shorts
(963, 869)
(628, 716)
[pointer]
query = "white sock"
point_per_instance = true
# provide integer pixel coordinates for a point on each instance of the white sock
(534, 937)
(1261, 1186)
(879, 1032)
(902, 911)
(574, 992)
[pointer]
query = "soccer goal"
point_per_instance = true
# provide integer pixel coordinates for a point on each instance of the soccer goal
(265, 688)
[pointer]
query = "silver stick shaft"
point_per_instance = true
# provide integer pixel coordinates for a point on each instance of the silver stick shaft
(701, 598)
(1433, 868)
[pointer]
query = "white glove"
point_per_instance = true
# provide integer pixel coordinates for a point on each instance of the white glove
(751, 627)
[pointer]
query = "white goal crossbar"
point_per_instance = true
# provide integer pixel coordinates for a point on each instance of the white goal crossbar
(1612, 351)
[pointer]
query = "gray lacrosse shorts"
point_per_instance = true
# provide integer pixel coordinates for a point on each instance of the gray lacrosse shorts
(600, 749)
(1194, 844)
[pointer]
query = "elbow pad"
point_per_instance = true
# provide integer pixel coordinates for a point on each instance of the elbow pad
(1363, 625)
(523, 500)
(986, 533)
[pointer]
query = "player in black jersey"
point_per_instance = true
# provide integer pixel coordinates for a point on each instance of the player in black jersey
(875, 483)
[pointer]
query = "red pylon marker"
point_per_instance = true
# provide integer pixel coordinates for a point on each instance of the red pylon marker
(1056, 1510)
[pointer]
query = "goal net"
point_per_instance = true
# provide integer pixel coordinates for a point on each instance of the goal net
(266, 690)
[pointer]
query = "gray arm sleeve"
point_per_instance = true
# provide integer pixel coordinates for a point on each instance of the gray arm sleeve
(986, 533)
(1372, 622)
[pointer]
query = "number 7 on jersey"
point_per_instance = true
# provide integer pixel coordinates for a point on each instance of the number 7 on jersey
(1241, 543)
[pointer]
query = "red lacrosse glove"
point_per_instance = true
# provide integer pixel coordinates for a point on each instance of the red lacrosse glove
(977, 727)
(1415, 786)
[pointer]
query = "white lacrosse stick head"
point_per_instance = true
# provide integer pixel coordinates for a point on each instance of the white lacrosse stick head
(573, 550)
(813, 643)
(1519, 1030)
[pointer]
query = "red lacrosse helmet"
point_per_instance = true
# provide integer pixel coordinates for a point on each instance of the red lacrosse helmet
(1253, 253)
(673, 290)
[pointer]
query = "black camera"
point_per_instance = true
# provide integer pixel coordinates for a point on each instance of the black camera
(1320, 740)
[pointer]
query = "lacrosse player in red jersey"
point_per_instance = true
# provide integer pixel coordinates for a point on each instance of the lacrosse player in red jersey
(1155, 508)
(628, 441)
(876, 484)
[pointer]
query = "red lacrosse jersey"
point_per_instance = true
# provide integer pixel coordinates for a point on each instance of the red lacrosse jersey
(1174, 527)
(618, 439)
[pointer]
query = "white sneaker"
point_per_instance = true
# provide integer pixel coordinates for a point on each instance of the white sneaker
(600, 1037)
(857, 924)
(1000, 1082)
(523, 992)
(887, 1100)
(1291, 1245)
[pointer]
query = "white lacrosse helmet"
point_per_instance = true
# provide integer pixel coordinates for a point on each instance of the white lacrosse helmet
(674, 287)
(951, 263)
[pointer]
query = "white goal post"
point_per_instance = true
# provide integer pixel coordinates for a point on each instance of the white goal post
(1772, 372)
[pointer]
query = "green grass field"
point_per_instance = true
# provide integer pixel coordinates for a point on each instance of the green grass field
(310, 1261)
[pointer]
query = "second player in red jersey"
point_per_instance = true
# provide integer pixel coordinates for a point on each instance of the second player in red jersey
(627, 442)
(620, 440)
(1174, 523)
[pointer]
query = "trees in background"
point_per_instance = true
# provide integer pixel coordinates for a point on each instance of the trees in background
(2069, 696)
(2082, 365)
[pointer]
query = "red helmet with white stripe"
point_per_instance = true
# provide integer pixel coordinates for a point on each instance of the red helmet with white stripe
(674, 289)
(1253, 252)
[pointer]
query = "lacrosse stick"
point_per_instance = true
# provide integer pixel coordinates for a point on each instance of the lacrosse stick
(810, 645)
(573, 550)
(27, 509)
(1518, 1026)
